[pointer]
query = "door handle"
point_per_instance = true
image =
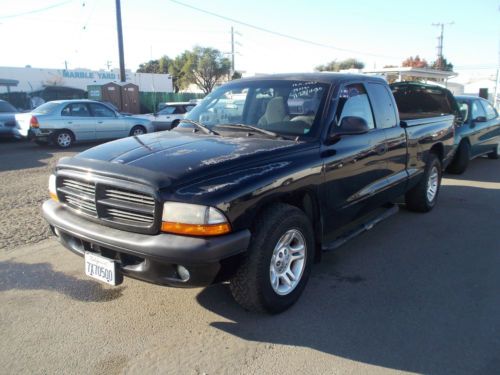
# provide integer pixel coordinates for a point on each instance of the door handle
(381, 150)
(69, 122)
(99, 122)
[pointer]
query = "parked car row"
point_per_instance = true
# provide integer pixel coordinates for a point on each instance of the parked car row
(253, 194)
(64, 122)
(478, 134)
(8, 128)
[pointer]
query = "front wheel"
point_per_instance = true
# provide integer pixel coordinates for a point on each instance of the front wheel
(277, 265)
(496, 153)
(138, 130)
(423, 197)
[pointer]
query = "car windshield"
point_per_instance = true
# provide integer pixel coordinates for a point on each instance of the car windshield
(45, 108)
(284, 107)
(6, 107)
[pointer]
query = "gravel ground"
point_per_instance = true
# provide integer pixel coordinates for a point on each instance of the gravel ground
(24, 173)
(419, 293)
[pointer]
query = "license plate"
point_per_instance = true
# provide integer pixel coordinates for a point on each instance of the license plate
(102, 269)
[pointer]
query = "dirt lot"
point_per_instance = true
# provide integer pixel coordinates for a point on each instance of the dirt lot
(419, 293)
(24, 174)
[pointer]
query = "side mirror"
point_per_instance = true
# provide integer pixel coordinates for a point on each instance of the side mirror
(480, 119)
(353, 125)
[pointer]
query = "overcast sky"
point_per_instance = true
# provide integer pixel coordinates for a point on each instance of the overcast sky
(83, 33)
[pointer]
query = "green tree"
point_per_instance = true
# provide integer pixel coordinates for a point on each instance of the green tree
(442, 64)
(152, 66)
(179, 69)
(205, 67)
(236, 75)
(335, 66)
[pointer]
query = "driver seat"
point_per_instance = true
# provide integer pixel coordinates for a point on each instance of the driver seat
(275, 112)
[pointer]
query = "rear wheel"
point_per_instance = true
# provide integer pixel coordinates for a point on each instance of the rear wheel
(461, 159)
(63, 138)
(174, 124)
(277, 265)
(138, 130)
(423, 197)
(496, 153)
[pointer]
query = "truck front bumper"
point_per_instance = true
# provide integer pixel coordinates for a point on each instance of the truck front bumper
(151, 258)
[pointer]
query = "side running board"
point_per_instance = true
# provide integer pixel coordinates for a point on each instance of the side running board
(339, 241)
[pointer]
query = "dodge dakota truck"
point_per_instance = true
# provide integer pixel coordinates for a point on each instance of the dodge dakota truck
(251, 196)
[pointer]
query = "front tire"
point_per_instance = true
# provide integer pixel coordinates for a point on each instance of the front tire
(423, 197)
(461, 159)
(496, 153)
(63, 139)
(137, 130)
(278, 263)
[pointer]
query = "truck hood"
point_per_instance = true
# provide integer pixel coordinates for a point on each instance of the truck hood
(181, 157)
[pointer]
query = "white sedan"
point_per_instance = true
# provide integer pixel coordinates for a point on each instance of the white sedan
(64, 122)
(169, 116)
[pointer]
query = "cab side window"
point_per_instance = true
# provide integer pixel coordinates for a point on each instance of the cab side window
(101, 111)
(353, 101)
(385, 113)
(477, 110)
(76, 110)
(491, 113)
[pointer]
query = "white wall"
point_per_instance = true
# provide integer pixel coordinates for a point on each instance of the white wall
(33, 79)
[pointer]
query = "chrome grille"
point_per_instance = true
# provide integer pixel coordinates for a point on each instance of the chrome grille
(122, 207)
(129, 216)
(130, 196)
(79, 195)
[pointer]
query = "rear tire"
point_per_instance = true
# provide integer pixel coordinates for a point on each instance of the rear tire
(274, 271)
(423, 197)
(174, 124)
(63, 139)
(461, 159)
(496, 153)
(138, 130)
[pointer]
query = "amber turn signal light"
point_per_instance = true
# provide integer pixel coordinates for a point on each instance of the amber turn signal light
(196, 229)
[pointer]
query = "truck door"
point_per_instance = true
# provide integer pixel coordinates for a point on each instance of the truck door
(355, 166)
(385, 111)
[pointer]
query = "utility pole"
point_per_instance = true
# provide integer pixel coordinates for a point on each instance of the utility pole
(232, 51)
(120, 40)
(440, 42)
(497, 84)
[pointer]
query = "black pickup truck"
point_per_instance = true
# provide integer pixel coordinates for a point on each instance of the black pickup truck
(250, 193)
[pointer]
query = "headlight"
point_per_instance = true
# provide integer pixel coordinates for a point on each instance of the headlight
(193, 219)
(52, 187)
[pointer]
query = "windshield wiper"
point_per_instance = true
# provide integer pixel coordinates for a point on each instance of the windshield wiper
(200, 126)
(254, 128)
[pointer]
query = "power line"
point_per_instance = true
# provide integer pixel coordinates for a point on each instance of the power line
(37, 10)
(291, 37)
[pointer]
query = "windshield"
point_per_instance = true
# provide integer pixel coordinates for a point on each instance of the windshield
(45, 108)
(6, 107)
(284, 107)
